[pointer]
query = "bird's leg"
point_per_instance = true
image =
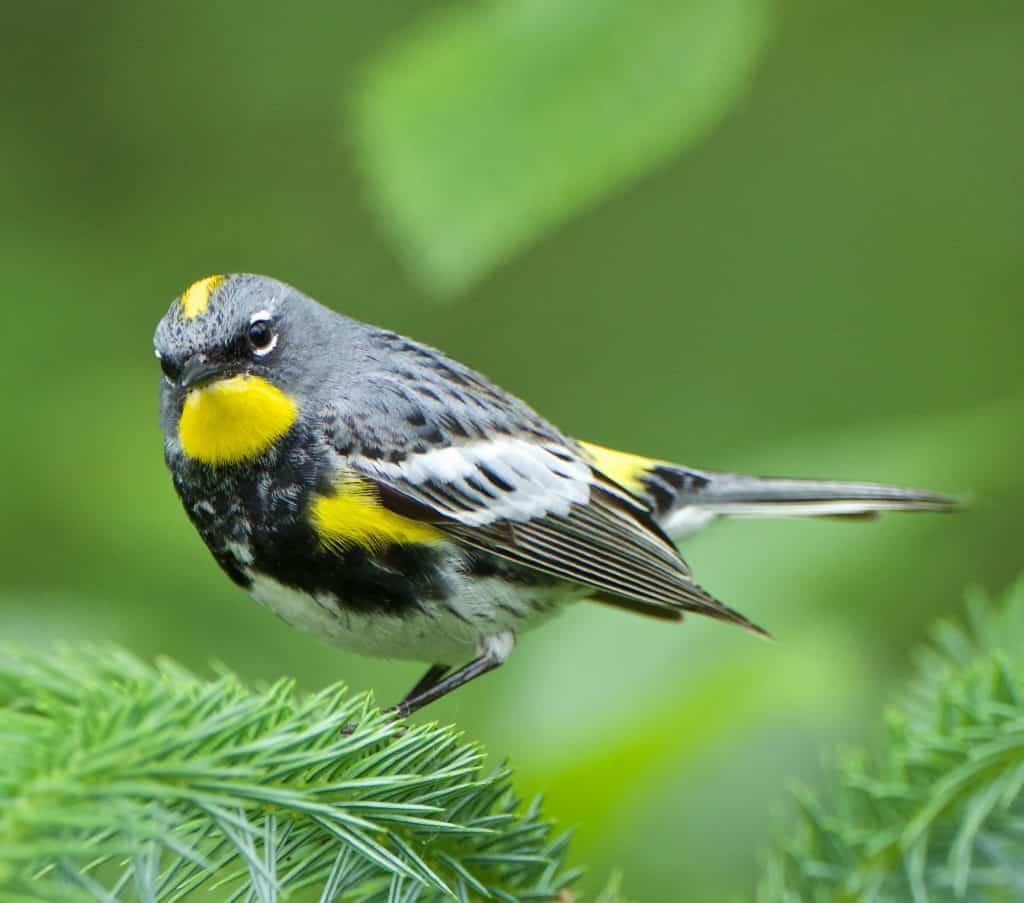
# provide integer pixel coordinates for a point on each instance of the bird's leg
(493, 652)
(453, 681)
(433, 675)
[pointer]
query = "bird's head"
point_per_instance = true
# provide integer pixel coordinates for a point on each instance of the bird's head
(232, 350)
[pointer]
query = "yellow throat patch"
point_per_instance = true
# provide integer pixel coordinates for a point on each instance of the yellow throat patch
(196, 298)
(234, 420)
(624, 468)
(354, 516)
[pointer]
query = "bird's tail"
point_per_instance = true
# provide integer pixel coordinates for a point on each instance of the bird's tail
(696, 497)
(685, 499)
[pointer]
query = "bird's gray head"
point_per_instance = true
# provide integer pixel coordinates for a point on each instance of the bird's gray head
(236, 352)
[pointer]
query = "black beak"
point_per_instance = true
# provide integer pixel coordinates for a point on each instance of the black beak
(198, 369)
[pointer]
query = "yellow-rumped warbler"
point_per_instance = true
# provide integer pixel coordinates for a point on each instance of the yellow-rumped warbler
(369, 489)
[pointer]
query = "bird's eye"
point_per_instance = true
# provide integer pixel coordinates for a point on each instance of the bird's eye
(261, 336)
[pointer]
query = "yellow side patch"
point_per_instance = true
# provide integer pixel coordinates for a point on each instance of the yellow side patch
(624, 468)
(354, 516)
(233, 420)
(196, 297)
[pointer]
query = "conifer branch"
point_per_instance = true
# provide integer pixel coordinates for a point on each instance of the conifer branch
(119, 781)
(939, 815)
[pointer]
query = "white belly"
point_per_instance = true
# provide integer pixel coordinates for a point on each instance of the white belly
(449, 633)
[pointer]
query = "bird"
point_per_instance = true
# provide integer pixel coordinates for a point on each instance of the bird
(371, 490)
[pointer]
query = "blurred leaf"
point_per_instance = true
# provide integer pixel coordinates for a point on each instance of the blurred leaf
(489, 125)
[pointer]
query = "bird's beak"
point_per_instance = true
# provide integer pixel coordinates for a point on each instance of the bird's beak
(199, 369)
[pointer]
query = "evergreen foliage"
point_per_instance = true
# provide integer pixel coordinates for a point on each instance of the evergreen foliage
(939, 814)
(119, 781)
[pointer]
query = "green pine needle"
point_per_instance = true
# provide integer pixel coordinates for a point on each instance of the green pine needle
(939, 815)
(119, 781)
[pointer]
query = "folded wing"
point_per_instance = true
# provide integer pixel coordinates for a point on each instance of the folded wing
(538, 502)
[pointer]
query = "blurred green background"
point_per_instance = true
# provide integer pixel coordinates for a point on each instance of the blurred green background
(779, 239)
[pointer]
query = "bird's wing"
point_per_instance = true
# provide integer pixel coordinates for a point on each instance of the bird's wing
(535, 500)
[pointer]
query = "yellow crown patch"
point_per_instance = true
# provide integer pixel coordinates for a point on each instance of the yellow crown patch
(196, 298)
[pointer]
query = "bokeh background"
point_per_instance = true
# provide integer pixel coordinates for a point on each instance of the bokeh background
(780, 239)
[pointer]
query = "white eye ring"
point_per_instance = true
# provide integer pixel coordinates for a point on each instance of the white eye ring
(263, 316)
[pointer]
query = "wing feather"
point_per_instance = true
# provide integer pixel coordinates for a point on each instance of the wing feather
(542, 505)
